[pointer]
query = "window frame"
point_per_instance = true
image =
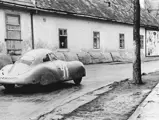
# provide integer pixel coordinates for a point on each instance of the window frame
(63, 36)
(121, 40)
(52, 58)
(96, 37)
(7, 24)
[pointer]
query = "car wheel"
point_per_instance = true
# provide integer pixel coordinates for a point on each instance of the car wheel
(9, 87)
(77, 81)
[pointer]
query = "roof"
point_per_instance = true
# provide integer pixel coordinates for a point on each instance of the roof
(120, 11)
(19, 2)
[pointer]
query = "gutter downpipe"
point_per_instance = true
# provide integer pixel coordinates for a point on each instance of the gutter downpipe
(32, 29)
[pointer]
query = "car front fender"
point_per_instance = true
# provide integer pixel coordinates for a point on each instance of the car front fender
(5, 69)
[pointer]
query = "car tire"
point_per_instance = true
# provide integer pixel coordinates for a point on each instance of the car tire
(9, 87)
(77, 81)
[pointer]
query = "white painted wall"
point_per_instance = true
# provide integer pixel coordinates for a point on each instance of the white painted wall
(25, 26)
(80, 33)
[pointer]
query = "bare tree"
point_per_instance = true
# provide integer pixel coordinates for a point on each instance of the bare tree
(136, 33)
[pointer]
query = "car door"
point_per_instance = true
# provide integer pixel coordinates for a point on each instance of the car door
(62, 67)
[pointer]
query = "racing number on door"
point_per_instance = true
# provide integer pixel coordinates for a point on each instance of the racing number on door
(64, 69)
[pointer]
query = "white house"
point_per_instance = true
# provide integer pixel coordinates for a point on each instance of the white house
(74, 25)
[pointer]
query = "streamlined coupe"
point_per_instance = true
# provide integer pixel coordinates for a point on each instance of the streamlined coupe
(40, 66)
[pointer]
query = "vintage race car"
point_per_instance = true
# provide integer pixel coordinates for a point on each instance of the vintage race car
(40, 66)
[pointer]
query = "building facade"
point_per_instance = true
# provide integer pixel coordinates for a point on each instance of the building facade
(73, 26)
(83, 34)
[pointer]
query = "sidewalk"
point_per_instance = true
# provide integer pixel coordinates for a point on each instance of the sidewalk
(149, 108)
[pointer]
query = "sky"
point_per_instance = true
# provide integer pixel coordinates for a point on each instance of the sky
(142, 3)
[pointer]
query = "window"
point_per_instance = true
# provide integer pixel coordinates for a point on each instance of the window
(13, 26)
(62, 38)
(96, 40)
(141, 41)
(121, 41)
(47, 58)
(52, 56)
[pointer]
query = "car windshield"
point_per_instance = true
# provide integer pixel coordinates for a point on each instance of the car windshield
(52, 56)
(28, 60)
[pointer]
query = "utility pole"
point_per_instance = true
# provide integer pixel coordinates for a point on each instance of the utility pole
(136, 34)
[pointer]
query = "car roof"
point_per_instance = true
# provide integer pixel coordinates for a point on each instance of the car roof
(38, 53)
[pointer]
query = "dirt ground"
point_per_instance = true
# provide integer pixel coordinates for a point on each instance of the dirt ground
(118, 103)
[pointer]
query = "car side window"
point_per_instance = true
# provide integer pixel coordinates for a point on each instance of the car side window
(52, 57)
(46, 59)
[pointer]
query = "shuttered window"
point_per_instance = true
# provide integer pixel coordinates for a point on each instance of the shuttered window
(13, 34)
(13, 26)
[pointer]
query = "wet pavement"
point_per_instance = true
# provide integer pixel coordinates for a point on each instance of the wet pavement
(31, 102)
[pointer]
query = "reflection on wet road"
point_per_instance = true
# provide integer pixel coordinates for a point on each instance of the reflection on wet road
(31, 102)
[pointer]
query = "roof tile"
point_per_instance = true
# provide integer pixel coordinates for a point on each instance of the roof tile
(119, 11)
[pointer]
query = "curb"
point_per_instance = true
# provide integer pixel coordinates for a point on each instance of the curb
(144, 111)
